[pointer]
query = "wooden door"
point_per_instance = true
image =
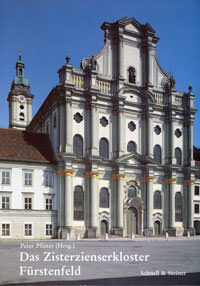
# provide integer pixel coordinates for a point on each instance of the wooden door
(131, 221)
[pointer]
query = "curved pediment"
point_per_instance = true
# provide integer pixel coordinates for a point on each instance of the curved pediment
(136, 96)
(135, 202)
(132, 95)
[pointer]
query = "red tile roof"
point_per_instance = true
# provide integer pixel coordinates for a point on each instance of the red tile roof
(18, 145)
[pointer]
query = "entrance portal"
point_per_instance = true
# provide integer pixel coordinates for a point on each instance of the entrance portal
(104, 227)
(132, 221)
(157, 227)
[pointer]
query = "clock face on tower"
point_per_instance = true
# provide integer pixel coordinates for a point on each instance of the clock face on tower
(21, 98)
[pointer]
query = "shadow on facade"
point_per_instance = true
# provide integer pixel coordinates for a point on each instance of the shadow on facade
(189, 279)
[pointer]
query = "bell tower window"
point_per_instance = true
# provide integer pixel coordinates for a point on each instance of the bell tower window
(20, 71)
(131, 75)
(21, 116)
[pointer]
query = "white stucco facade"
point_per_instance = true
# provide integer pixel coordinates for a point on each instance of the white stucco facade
(122, 138)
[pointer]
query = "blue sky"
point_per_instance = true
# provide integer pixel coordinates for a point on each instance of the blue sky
(49, 29)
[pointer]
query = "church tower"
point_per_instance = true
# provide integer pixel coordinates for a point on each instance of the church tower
(20, 99)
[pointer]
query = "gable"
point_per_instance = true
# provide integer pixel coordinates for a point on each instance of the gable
(131, 28)
(136, 158)
(132, 161)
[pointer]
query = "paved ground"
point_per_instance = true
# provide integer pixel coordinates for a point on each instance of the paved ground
(142, 261)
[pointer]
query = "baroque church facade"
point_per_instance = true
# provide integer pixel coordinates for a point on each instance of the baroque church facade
(109, 151)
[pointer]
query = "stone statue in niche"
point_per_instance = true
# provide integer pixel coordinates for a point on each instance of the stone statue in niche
(93, 64)
(172, 82)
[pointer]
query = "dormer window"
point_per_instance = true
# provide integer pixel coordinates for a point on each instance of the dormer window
(131, 75)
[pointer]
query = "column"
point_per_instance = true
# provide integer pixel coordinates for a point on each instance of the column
(120, 201)
(167, 139)
(149, 182)
(190, 145)
(185, 143)
(68, 198)
(113, 206)
(93, 196)
(142, 221)
(150, 75)
(61, 127)
(94, 187)
(118, 230)
(165, 204)
(120, 56)
(94, 130)
(172, 183)
(172, 149)
(150, 136)
(148, 186)
(144, 133)
(121, 137)
(68, 127)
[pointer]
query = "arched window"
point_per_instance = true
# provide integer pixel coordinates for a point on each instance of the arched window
(104, 198)
(104, 148)
(178, 207)
(178, 155)
(157, 153)
(131, 74)
(157, 200)
(78, 203)
(78, 145)
(131, 146)
(132, 192)
(21, 116)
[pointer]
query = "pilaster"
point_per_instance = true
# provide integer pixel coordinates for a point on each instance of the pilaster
(191, 160)
(65, 206)
(120, 54)
(189, 183)
(150, 63)
(68, 197)
(172, 137)
(121, 137)
(150, 135)
(94, 130)
(148, 184)
(119, 182)
(68, 126)
(170, 183)
(92, 177)
(61, 127)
